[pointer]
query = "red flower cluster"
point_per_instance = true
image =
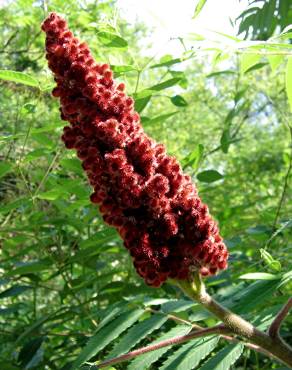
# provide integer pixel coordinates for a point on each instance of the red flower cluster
(140, 189)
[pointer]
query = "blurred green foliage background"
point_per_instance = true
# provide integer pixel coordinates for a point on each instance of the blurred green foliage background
(220, 107)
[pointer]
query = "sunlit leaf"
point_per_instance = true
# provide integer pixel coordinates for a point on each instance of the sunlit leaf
(248, 60)
(269, 260)
(255, 67)
(275, 61)
(289, 81)
(111, 40)
(194, 158)
(18, 77)
(52, 194)
(122, 68)
(165, 84)
(141, 103)
(258, 276)
(29, 107)
(221, 73)
(159, 119)
(167, 62)
(199, 7)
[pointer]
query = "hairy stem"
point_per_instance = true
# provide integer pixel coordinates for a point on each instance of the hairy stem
(233, 324)
(219, 329)
(275, 326)
(237, 325)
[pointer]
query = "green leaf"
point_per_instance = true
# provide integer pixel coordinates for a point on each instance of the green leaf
(30, 268)
(111, 312)
(199, 8)
(255, 67)
(259, 276)
(165, 84)
(220, 73)
(225, 140)
(224, 359)
(183, 80)
(209, 176)
(188, 356)
(256, 293)
(106, 335)
(178, 101)
(161, 118)
(99, 239)
(18, 77)
(144, 361)
(154, 301)
(5, 168)
(31, 353)
(52, 194)
(141, 103)
(177, 305)
(136, 334)
(72, 164)
(16, 204)
(269, 260)
(35, 325)
(35, 154)
(194, 158)
(29, 108)
(248, 60)
(257, 230)
(167, 62)
(111, 40)
(143, 94)
(275, 61)
(122, 68)
(14, 291)
(240, 94)
(289, 81)
(10, 309)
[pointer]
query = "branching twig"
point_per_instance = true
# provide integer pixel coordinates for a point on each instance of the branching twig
(175, 318)
(12, 36)
(237, 325)
(275, 326)
(233, 324)
(223, 336)
(219, 329)
(51, 166)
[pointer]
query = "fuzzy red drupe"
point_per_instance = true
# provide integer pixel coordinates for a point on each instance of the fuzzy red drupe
(140, 190)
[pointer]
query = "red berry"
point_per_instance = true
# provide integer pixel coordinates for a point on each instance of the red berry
(141, 190)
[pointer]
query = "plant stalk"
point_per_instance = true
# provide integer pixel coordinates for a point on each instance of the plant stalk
(237, 325)
(219, 329)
